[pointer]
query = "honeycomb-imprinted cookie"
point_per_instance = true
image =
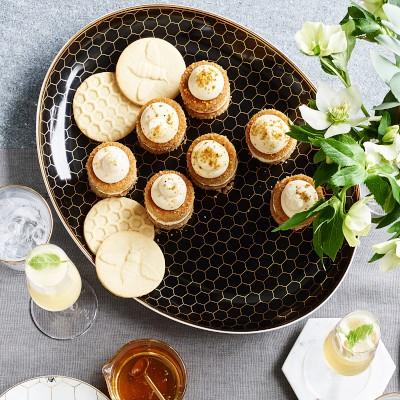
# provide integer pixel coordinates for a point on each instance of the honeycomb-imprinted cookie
(114, 215)
(101, 111)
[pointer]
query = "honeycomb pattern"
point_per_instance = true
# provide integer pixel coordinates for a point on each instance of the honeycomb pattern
(112, 215)
(48, 388)
(226, 270)
(101, 111)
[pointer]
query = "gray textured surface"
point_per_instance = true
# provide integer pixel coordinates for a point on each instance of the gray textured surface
(220, 366)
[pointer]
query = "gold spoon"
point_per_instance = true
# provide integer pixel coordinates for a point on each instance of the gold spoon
(140, 368)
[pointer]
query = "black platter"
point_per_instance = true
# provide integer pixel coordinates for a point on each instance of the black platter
(226, 270)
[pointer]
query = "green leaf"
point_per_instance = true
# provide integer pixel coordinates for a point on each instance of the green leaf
(395, 85)
(389, 218)
(343, 154)
(349, 176)
(359, 334)
(306, 134)
(319, 156)
(395, 228)
(375, 257)
(45, 260)
(302, 216)
(324, 173)
(381, 190)
(394, 183)
(327, 230)
(384, 123)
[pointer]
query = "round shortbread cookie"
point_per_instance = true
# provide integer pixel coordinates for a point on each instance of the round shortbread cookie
(113, 215)
(101, 111)
(129, 264)
(149, 68)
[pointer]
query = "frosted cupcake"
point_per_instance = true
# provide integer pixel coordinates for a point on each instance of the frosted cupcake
(205, 90)
(111, 170)
(161, 125)
(292, 195)
(267, 139)
(169, 199)
(212, 161)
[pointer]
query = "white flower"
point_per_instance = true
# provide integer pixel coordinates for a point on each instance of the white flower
(357, 222)
(317, 39)
(375, 7)
(391, 251)
(378, 154)
(337, 112)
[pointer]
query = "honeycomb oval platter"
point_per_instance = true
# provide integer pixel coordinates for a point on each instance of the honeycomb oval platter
(227, 270)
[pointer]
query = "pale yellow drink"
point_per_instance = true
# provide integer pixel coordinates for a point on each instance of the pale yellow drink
(349, 357)
(53, 288)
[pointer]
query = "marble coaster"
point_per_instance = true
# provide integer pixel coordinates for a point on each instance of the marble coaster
(312, 379)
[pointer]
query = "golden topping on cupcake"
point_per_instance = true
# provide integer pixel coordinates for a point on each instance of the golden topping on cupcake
(169, 191)
(206, 82)
(110, 164)
(268, 134)
(159, 122)
(209, 159)
(298, 196)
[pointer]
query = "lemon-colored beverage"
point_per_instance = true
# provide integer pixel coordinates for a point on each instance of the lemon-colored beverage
(54, 282)
(350, 347)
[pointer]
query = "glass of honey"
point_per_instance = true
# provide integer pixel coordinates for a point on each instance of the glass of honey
(146, 369)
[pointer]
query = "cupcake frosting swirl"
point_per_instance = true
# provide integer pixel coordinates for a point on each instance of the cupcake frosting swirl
(159, 122)
(298, 196)
(268, 134)
(169, 191)
(111, 164)
(209, 159)
(206, 82)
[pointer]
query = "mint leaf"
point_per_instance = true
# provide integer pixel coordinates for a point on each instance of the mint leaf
(384, 123)
(45, 260)
(381, 191)
(327, 230)
(305, 134)
(349, 176)
(323, 173)
(388, 219)
(302, 216)
(358, 334)
(343, 154)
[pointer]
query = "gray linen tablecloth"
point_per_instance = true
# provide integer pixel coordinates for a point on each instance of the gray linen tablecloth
(220, 366)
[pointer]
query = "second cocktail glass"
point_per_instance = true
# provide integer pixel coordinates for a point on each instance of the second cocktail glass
(63, 306)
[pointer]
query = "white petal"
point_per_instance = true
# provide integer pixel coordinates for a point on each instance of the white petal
(308, 37)
(325, 97)
(337, 129)
(352, 96)
(335, 40)
(384, 247)
(350, 237)
(393, 14)
(389, 262)
(316, 119)
(359, 217)
(358, 121)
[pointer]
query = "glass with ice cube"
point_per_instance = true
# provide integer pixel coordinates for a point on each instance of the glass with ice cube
(25, 222)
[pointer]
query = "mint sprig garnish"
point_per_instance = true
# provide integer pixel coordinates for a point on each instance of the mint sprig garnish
(359, 334)
(45, 260)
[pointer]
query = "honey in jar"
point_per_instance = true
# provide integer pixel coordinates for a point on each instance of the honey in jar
(146, 370)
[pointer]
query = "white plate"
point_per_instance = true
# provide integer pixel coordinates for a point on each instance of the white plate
(53, 388)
